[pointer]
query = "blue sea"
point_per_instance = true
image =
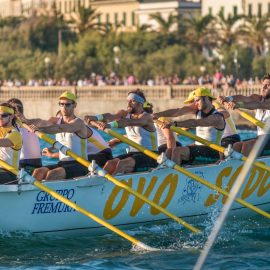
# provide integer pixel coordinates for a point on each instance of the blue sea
(242, 244)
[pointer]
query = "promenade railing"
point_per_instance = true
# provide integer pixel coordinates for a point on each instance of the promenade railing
(109, 92)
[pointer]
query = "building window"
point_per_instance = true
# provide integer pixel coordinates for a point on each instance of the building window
(107, 18)
(259, 10)
(250, 10)
(60, 7)
(69, 8)
(209, 10)
(115, 18)
(74, 5)
(234, 11)
(65, 6)
(124, 21)
(99, 18)
(133, 19)
(222, 10)
(268, 9)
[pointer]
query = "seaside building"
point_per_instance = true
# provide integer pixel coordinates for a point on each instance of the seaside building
(236, 7)
(126, 15)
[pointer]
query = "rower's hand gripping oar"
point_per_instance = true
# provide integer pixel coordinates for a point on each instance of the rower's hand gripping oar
(176, 167)
(103, 173)
(26, 178)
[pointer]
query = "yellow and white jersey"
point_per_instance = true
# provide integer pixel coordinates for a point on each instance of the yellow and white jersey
(11, 154)
(75, 143)
(142, 137)
(95, 142)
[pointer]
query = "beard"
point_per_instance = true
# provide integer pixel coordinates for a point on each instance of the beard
(131, 110)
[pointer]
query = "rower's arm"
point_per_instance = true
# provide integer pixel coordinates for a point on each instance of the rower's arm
(175, 112)
(76, 126)
(214, 120)
(38, 122)
(253, 105)
(140, 122)
(239, 98)
(105, 117)
(6, 143)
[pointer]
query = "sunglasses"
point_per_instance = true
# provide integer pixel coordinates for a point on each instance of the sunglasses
(4, 115)
(68, 105)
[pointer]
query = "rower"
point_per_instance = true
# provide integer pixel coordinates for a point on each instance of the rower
(30, 157)
(260, 103)
(230, 135)
(139, 128)
(10, 142)
(71, 132)
(209, 125)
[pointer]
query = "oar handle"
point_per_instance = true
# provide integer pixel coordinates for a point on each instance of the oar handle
(198, 139)
(250, 118)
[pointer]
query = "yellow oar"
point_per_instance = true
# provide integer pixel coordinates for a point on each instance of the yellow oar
(31, 180)
(251, 119)
(103, 173)
(172, 165)
(216, 147)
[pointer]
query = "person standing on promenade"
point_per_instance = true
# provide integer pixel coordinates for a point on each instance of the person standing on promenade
(10, 142)
(30, 157)
(260, 103)
(209, 124)
(139, 128)
(71, 132)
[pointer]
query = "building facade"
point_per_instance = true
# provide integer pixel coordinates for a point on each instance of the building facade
(236, 7)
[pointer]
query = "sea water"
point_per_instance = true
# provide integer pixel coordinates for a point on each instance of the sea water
(242, 244)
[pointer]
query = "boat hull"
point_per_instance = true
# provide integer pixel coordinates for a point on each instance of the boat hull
(24, 208)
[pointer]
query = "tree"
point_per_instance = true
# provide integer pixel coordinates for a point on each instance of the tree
(197, 32)
(226, 28)
(87, 19)
(255, 32)
(165, 25)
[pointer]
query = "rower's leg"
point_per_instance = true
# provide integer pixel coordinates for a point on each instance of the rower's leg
(247, 146)
(110, 165)
(56, 174)
(169, 153)
(40, 173)
(238, 146)
(126, 165)
(179, 154)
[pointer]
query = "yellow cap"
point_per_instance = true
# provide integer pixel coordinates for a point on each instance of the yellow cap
(6, 109)
(190, 97)
(68, 95)
(199, 92)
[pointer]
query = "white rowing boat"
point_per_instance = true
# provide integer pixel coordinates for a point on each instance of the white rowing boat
(25, 208)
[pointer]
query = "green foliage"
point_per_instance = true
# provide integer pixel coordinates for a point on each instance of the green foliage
(25, 43)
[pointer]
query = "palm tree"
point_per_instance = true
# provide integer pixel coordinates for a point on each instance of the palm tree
(86, 19)
(255, 32)
(226, 28)
(165, 25)
(197, 31)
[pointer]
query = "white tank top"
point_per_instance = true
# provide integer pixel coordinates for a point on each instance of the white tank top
(142, 137)
(208, 133)
(31, 146)
(95, 143)
(75, 143)
(161, 138)
(262, 115)
(230, 128)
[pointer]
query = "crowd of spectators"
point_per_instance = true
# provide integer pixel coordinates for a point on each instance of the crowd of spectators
(218, 80)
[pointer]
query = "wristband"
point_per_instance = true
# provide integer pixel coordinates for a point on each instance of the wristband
(113, 124)
(229, 98)
(240, 104)
(100, 117)
(175, 123)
